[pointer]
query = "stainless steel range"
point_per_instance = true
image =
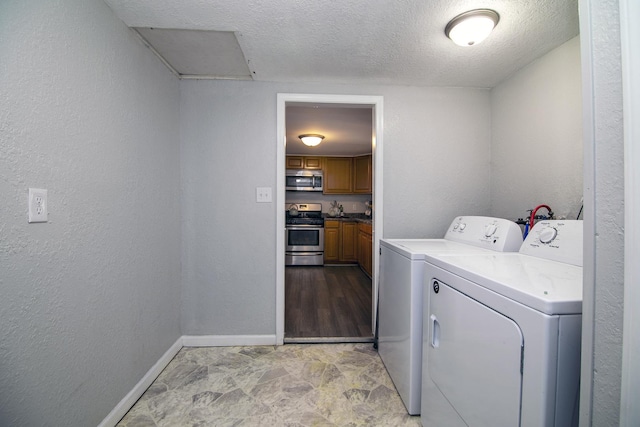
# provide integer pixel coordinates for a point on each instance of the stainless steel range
(304, 234)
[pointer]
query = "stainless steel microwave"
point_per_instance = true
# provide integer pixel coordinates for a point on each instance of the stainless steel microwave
(303, 180)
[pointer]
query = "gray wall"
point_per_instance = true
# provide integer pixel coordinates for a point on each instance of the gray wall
(90, 300)
(537, 137)
(603, 305)
(436, 165)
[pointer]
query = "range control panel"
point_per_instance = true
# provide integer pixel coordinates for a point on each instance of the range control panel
(497, 234)
(559, 240)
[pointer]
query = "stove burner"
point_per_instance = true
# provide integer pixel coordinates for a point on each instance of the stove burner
(305, 214)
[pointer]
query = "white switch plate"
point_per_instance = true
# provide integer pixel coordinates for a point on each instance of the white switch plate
(38, 205)
(263, 195)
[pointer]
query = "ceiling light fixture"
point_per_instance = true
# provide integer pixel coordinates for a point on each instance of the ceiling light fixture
(311, 139)
(470, 28)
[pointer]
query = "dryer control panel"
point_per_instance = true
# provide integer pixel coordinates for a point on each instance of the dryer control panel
(557, 240)
(497, 234)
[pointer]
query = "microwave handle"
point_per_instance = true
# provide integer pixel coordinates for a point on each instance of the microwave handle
(313, 181)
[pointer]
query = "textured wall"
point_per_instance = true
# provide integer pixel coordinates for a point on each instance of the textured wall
(537, 136)
(436, 165)
(604, 218)
(90, 300)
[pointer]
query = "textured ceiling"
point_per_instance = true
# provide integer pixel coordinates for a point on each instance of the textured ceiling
(359, 41)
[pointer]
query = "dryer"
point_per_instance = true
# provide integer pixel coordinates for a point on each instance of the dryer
(400, 293)
(502, 333)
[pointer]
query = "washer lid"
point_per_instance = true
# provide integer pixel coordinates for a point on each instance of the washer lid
(548, 286)
(416, 249)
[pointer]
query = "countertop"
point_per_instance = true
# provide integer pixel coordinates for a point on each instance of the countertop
(353, 217)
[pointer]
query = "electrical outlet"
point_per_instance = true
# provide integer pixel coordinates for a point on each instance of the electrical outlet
(263, 195)
(38, 205)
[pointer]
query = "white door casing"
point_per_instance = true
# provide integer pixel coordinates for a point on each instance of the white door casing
(376, 102)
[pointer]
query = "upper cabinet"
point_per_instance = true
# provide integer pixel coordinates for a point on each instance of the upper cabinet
(338, 175)
(347, 175)
(304, 162)
(342, 175)
(362, 175)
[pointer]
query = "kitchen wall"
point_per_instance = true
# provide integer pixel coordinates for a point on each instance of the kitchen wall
(536, 126)
(436, 165)
(90, 300)
(351, 203)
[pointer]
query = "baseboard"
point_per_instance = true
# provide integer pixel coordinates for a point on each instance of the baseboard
(138, 390)
(227, 340)
(329, 340)
(184, 341)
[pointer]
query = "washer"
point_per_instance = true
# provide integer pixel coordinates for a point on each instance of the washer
(502, 333)
(400, 292)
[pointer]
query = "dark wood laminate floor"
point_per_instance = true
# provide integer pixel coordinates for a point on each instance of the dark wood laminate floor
(322, 302)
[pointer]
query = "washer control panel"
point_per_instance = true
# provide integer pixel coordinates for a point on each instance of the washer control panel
(497, 234)
(559, 240)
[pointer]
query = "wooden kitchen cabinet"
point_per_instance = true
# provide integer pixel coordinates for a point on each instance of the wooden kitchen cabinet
(365, 248)
(362, 175)
(331, 241)
(338, 177)
(348, 175)
(304, 162)
(349, 239)
(340, 241)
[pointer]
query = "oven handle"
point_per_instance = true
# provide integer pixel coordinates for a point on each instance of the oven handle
(304, 227)
(303, 253)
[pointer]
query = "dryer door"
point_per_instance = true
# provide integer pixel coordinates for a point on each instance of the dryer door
(475, 356)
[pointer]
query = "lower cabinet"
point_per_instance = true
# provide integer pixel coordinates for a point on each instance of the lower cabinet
(348, 242)
(349, 246)
(365, 247)
(340, 241)
(331, 241)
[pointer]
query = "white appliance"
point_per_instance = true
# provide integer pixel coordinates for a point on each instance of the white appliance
(502, 333)
(400, 292)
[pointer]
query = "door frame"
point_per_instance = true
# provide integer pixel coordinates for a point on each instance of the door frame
(630, 42)
(376, 102)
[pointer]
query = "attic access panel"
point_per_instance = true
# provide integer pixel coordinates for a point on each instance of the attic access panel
(199, 53)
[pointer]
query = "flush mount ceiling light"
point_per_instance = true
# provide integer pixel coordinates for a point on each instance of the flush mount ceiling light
(311, 139)
(470, 28)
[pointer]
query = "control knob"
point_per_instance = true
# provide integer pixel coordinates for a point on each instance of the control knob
(490, 229)
(463, 226)
(548, 234)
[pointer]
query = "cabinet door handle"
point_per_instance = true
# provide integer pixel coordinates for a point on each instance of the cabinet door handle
(435, 332)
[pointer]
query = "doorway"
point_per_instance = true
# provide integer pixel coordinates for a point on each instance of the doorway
(346, 101)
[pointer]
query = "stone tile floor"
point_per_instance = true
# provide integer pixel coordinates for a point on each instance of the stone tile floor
(292, 385)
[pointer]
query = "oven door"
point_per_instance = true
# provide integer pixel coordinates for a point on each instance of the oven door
(304, 238)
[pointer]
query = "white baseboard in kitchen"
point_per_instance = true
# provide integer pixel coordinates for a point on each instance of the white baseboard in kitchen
(227, 340)
(138, 390)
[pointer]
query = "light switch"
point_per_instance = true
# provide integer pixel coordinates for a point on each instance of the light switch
(38, 205)
(263, 195)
